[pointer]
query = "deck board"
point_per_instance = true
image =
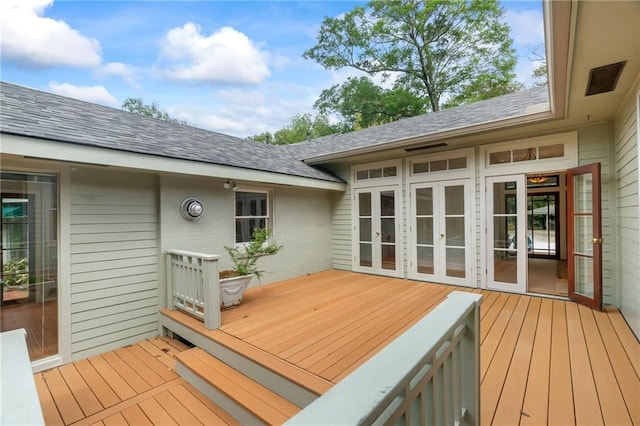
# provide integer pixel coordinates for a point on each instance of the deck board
(614, 409)
(97, 391)
(543, 361)
(513, 390)
(536, 402)
(587, 406)
(560, 385)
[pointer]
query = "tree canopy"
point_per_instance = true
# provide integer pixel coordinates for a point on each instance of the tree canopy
(301, 127)
(361, 103)
(445, 52)
(137, 105)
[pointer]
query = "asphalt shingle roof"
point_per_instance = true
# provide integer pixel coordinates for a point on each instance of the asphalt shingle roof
(29, 112)
(491, 110)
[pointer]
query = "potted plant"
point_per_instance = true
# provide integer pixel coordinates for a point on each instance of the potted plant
(234, 282)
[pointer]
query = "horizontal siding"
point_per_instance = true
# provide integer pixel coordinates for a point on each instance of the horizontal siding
(341, 223)
(628, 232)
(114, 260)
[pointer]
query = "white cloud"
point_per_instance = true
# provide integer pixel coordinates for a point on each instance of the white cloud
(31, 39)
(242, 113)
(119, 69)
(95, 94)
(527, 27)
(226, 56)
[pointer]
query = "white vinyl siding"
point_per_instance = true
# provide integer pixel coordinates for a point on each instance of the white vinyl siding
(628, 234)
(595, 145)
(114, 260)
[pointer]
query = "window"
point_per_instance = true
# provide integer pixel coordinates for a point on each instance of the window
(424, 165)
(529, 153)
(377, 173)
(252, 211)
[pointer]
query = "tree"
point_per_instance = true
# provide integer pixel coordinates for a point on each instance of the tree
(539, 72)
(137, 105)
(301, 127)
(361, 104)
(448, 52)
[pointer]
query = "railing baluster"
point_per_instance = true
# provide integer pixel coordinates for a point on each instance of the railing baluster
(428, 375)
(193, 286)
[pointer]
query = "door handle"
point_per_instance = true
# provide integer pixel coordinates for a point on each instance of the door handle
(377, 234)
(597, 241)
(442, 234)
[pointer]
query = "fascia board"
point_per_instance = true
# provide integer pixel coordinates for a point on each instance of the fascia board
(41, 149)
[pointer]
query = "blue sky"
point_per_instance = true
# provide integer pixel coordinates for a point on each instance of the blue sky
(235, 67)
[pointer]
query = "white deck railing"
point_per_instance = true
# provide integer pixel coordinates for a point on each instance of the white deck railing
(193, 285)
(428, 375)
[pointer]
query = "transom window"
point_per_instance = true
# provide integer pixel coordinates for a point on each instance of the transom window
(530, 153)
(377, 172)
(252, 211)
(439, 165)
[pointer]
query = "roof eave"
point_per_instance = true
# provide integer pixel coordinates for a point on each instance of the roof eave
(448, 134)
(28, 147)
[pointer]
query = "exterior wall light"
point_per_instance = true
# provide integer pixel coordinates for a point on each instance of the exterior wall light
(230, 184)
(191, 209)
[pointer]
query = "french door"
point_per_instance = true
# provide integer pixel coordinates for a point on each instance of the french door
(585, 235)
(440, 234)
(377, 230)
(506, 258)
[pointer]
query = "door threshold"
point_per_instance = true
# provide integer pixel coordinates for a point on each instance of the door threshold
(548, 295)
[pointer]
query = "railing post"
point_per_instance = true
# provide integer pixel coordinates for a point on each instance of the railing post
(412, 380)
(470, 354)
(193, 285)
(211, 284)
(169, 280)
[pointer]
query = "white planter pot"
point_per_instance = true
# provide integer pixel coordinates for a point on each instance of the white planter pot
(232, 289)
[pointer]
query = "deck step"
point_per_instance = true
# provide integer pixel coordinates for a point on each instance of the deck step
(245, 399)
(289, 381)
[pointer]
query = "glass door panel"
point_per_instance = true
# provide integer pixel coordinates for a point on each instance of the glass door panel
(506, 213)
(454, 230)
(387, 234)
(585, 235)
(440, 232)
(28, 227)
(377, 230)
(366, 229)
(424, 244)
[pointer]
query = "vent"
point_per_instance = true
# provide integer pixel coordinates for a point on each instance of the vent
(425, 147)
(604, 79)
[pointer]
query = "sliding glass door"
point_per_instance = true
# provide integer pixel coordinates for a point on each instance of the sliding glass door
(29, 260)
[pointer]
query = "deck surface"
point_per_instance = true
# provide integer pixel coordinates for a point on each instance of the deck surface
(543, 361)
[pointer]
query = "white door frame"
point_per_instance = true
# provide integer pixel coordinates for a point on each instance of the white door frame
(376, 231)
(503, 245)
(439, 237)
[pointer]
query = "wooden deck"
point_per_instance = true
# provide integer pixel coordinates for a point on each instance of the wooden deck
(543, 361)
(135, 385)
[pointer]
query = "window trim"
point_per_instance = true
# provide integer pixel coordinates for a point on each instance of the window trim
(568, 139)
(268, 217)
(377, 181)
